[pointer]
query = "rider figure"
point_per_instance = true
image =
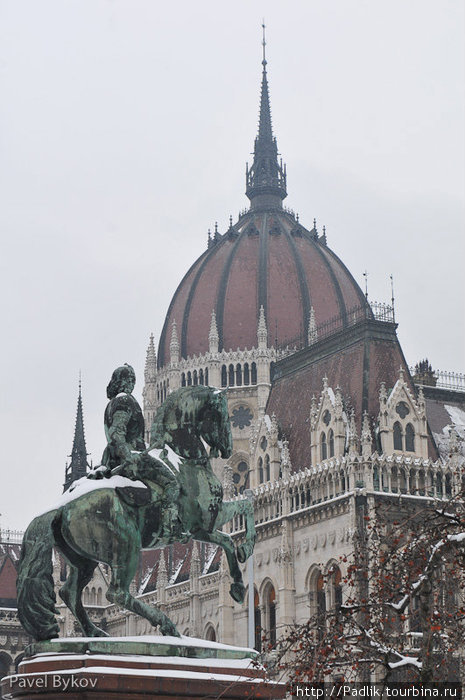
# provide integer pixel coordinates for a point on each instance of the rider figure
(124, 430)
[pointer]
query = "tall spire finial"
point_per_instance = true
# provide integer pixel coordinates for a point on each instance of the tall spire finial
(266, 179)
(78, 465)
(264, 44)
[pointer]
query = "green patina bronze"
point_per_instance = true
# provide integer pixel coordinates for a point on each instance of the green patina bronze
(174, 497)
(142, 647)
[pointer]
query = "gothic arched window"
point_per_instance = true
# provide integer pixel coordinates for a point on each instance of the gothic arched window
(189, 379)
(397, 436)
(201, 380)
(210, 634)
(331, 443)
(183, 379)
(267, 468)
(246, 374)
(231, 375)
(238, 375)
(196, 379)
(224, 376)
(323, 447)
(270, 614)
(206, 376)
(409, 438)
(260, 471)
(254, 373)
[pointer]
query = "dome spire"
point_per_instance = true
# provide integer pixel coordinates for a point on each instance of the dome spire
(266, 179)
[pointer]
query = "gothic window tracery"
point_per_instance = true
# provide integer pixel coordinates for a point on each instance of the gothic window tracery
(241, 417)
(402, 409)
(238, 375)
(260, 470)
(246, 374)
(224, 376)
(397, 432)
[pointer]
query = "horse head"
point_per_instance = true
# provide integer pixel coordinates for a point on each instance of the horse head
(189, 415)
(216, 426)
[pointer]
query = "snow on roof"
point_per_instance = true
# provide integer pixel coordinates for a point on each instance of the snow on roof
(457, 416)
(211, 551)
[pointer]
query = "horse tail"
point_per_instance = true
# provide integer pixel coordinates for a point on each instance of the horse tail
(35, 589)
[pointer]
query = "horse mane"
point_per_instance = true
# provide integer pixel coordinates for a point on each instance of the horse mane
(178, 411)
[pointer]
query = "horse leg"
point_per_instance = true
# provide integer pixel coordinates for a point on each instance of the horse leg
(123, 568)
(237, 589)
(227, 511)
(71, 592)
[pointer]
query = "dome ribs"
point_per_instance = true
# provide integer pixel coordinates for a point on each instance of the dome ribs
(336, 285)
(285, 299)
(304, 290)
(222, 292)
(169, 316)
(358, 292)
(240, 301)
(263, 267)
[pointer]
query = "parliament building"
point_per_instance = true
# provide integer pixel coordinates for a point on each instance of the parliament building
(326, 416)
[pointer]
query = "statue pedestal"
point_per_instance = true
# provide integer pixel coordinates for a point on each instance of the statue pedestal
(138, 668)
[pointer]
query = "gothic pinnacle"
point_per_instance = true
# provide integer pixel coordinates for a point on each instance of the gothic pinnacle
(266, 179)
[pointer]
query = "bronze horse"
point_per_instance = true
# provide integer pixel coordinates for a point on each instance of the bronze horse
(110, 520)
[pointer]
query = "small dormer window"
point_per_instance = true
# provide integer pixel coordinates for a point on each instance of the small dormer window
(402, 409)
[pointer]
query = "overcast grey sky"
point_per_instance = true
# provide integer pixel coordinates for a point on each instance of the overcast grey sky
(125, 128)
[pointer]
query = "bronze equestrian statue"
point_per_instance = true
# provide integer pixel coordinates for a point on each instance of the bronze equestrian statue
(138, 498)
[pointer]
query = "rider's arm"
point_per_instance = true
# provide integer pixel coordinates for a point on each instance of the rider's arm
(117, 436)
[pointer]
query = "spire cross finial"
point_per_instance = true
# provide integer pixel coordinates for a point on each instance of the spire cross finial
(264, 43)
(80, 382)
(365, 274)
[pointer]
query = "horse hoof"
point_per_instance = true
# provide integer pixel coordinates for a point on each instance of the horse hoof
(237, 592)
(169, 630)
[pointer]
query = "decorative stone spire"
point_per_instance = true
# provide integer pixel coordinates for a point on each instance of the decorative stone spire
(286, 466)
(273, 429)
(312, 332)
(382, 395)
(150, 362)
(253, 436)
(338, 404)
(194, 571)
(228, 483)
(313, 413)
(266, 179)
(78, 465)
(421, 403)
(352, 434)
(262, 332)
(174, 344)
(213, 337)
(366, 437)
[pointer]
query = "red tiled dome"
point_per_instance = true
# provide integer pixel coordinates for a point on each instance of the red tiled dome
(266, 259)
